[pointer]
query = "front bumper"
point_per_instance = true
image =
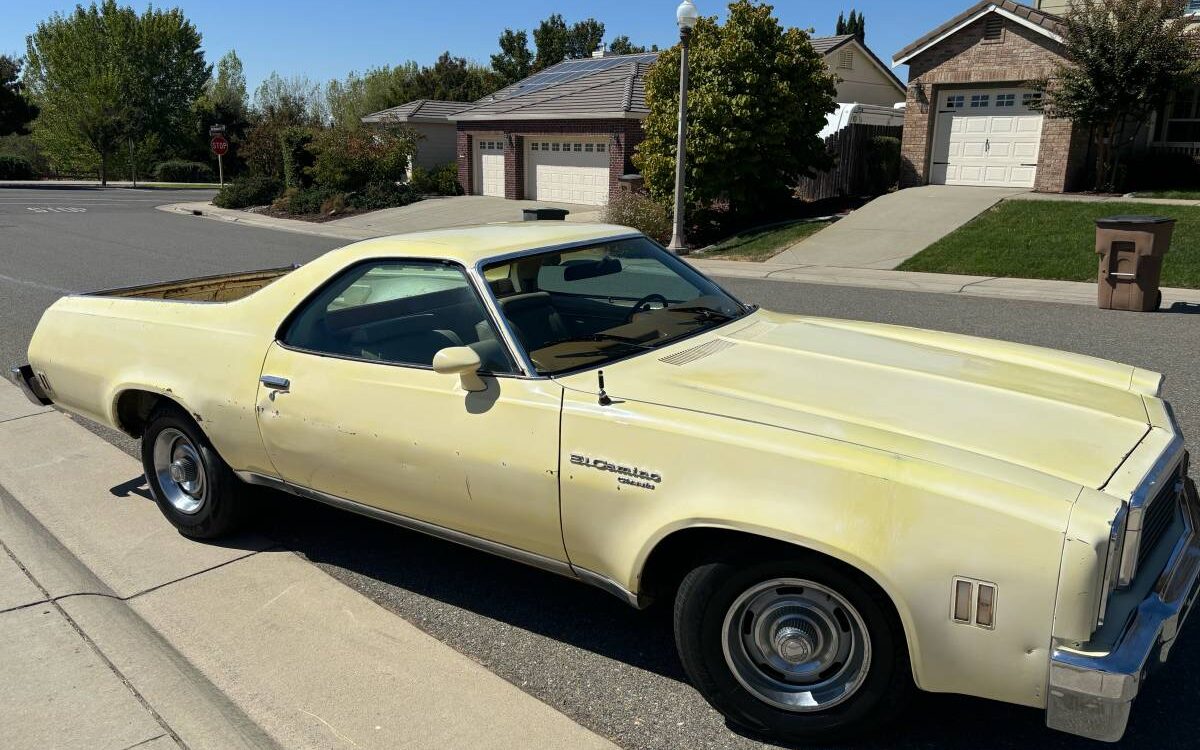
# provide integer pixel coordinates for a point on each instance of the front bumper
(29, 383)
(1091, 695)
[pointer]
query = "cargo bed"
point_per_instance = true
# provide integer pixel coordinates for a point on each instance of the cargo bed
(224, 287)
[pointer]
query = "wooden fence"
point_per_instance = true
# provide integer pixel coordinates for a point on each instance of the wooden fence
(853, 173)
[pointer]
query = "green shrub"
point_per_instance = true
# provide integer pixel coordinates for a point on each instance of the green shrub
(883, 164)
(248, 191)
(296, 156)
(303, 201)
(350, 159)
(640, 211)
(177, 170)
(16, 168)
(442, 180)
(377, 195)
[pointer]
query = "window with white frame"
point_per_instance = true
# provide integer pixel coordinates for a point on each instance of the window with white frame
(1006, 100)
(1181, 120)
(980, 100)
(1031, 100)
(956, 102)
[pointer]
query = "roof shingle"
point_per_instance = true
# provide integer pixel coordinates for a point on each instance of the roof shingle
(1051, 23)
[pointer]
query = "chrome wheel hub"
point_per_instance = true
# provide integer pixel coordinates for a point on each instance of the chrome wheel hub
(797, 645)
(179, 471)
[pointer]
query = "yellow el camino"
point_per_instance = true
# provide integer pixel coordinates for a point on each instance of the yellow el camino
(839, 511)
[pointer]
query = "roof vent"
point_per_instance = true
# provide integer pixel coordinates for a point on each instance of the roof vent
(993, 29)
(688, 356)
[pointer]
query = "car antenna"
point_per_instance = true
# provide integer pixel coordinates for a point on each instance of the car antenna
(604, 399)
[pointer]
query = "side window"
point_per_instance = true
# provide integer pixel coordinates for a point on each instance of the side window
(397, 312)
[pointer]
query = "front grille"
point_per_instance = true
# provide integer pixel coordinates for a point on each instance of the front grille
(1160, 514)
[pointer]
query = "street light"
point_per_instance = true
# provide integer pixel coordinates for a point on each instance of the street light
(686, 15)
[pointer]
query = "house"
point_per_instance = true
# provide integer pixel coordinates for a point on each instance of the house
(972, 117)
(427, 117)
(568, 133)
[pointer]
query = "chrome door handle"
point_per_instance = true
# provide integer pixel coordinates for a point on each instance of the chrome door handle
(274, 382)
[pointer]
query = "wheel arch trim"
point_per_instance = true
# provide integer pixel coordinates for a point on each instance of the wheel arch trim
(874, 575)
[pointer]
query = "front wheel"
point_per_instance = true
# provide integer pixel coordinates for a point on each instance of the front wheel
(194, 488)
(792, 649)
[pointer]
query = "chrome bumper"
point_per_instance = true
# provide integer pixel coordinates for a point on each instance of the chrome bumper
(28, 382)
(1091, 695)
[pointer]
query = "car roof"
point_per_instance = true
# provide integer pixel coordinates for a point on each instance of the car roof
(469, 245)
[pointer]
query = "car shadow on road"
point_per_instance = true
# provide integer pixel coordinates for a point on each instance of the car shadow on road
(372, 556)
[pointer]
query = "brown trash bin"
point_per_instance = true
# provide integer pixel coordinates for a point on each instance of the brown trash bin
(1131, 250)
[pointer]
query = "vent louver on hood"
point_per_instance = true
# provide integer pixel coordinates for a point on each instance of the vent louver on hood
(687, 356)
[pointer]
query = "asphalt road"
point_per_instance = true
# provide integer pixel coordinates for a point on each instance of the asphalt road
(580, 650)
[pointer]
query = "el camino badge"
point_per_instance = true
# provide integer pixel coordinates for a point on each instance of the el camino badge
(633, 477)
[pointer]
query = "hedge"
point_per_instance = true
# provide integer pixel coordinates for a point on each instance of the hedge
(177, 170)
(16, 168)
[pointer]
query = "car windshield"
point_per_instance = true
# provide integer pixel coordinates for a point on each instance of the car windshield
(578, 308)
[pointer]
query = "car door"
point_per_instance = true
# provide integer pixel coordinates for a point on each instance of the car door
(350, 407)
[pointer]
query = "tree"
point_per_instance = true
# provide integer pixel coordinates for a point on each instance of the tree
(15, 109)
(550, 39)
(584, 38)
(455, 79)
(297, 99)
(105, 77)
(228, 89)
(855, 26)
(622, 46)
(758, 97)
(1126, 58)
(514, 60)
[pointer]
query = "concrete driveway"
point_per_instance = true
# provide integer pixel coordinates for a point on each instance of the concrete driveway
(463, 210)
(891, 229)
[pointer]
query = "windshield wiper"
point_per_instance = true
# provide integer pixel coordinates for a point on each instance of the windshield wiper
(611, 337)
(707, 313)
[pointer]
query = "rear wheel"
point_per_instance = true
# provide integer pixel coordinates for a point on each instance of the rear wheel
(793, 649)
(194, 488)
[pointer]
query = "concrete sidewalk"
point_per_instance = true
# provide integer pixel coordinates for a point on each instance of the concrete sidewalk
(115, 631)
(892, 228)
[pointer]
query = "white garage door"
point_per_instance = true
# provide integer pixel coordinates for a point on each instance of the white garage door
(567, 170)
(489, 167)
(989, 137)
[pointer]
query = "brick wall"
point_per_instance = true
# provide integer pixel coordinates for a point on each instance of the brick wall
(623, 136)
(966, 60)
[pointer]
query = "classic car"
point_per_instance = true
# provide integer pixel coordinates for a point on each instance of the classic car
(838, 511)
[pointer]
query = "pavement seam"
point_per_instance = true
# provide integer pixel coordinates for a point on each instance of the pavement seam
(158, 587)
(145, 742)
(99, 654)
(963, 288)
(26, 416)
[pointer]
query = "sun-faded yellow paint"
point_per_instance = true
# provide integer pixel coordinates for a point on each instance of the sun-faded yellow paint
(914, 456)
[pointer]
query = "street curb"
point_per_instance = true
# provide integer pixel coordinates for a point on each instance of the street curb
(244, 218)
(310, 661)
(187, 704)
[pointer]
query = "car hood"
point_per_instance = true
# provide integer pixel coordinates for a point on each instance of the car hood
(903, 390)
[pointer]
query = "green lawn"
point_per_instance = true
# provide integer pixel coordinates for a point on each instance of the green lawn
(1185, 195)
(1053, 240)
(763, 244)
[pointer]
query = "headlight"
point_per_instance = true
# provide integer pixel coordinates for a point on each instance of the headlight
(1116, 549)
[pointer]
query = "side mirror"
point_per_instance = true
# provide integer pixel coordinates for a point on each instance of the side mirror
(463, 362)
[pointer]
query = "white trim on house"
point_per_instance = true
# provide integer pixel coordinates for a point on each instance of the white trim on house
(867, 53)
(896, 62)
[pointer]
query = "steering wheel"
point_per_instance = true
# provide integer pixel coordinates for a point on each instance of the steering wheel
(643, 305)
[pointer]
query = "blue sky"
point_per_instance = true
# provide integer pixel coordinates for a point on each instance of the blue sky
(328, 39)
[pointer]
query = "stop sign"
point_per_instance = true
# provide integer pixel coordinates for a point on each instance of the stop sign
(220, 145)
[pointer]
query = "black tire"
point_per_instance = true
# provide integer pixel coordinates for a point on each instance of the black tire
(705, 598)
(219, 510)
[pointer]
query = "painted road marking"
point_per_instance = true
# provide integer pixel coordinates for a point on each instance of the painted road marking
(55, 209)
